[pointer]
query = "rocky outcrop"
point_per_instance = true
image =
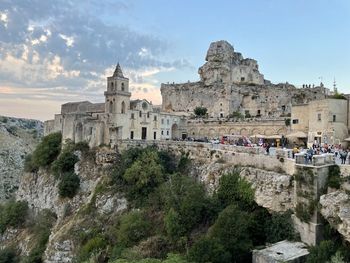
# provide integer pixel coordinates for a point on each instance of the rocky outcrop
(274, 191)
(18, 137)
(335, 208)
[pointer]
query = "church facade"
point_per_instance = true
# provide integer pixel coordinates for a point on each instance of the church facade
(118, 118)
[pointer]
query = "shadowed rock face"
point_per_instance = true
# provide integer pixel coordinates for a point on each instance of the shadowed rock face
(18, 137)
(335, 208)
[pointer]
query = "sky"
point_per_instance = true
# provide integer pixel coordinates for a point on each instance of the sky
(56, 51)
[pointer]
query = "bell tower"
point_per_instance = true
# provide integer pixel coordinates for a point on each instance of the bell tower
(117, 96)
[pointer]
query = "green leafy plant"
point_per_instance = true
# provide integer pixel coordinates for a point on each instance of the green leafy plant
(69, 185)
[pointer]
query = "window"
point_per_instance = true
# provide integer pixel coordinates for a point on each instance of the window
(295, 121)
(242, 79)
(123, 107)
(140, 114)
(162, 132)
(112, 86)
(167, 122)
(162, 121)
(283, 108)
(123, 88)
(147, 114)
(167, 132)
(155, 118)
(133, 116)
(132, 135)
(334, 118)
(221, 115)
(111, 108)
(154, 135)
(259, 113)
(319, 116)
(144, 105)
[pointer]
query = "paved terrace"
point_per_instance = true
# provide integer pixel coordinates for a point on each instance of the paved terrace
(278, 160)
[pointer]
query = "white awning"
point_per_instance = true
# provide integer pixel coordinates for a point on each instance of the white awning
(298, 134)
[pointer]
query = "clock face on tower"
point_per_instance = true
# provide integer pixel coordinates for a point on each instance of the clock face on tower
(144, 105)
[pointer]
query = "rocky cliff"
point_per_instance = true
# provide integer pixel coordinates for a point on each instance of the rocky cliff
(18, 137)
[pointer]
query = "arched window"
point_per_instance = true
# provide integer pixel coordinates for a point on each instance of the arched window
(123, 88)
(123, 107)
(111, 108)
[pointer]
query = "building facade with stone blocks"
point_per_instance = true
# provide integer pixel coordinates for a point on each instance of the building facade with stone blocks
(324, 121)
(116, 119)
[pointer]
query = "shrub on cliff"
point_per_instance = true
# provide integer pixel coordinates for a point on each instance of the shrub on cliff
(235, 190)
(200, 111)
(68, 185)
(12, 214)
(8, 255)
(45, 153)
(64, 163)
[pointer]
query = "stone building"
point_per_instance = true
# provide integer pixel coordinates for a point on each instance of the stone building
(229, 83)
(116, 119)
(324, 121)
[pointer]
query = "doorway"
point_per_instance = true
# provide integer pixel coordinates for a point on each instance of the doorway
(144, 133)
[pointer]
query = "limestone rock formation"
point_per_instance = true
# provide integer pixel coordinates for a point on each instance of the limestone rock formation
(18, 137)
(335, 208)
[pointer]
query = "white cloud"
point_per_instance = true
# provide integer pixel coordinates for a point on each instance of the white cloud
(4, 18)
(69, 40)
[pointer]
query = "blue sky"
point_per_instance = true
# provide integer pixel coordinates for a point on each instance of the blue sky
(53, 51)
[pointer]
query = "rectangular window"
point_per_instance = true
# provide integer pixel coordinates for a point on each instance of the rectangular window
(167, 122)
(295, 121)
(154, 135)
(283, 108)
(132, 135)
(259, 112)
(334, 118)
(319, 116)
(147, 114)
(140, 114)
(167, 132)
(162, 132)
(155, 118)
(162, 121)
(132, 116)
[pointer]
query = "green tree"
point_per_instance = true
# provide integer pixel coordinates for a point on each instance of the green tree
(185, 204)
(64, 163)
(231, 229)
(208, 250)
(200, 111)
(143, 176)
(68, 185)
(8, 255)
(12, 214)
(235, 190)
(321, 253)
(47, 151)
(133, 227)
(280, 227)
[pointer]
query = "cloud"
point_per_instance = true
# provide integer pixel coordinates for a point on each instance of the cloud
(47, 45)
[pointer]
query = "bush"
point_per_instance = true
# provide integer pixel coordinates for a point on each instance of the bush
(46, 152)
(64, 163)
(185, 205)
(8, 255)
(208, 250)
(133, 227)
(235, 190)
(12, 214)
(231, 229)
(322, 252)
(200, 111)
(334, 180)
(237, 115)
(93, 245)
(143, 176)
(280, 228)
(68, 185)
